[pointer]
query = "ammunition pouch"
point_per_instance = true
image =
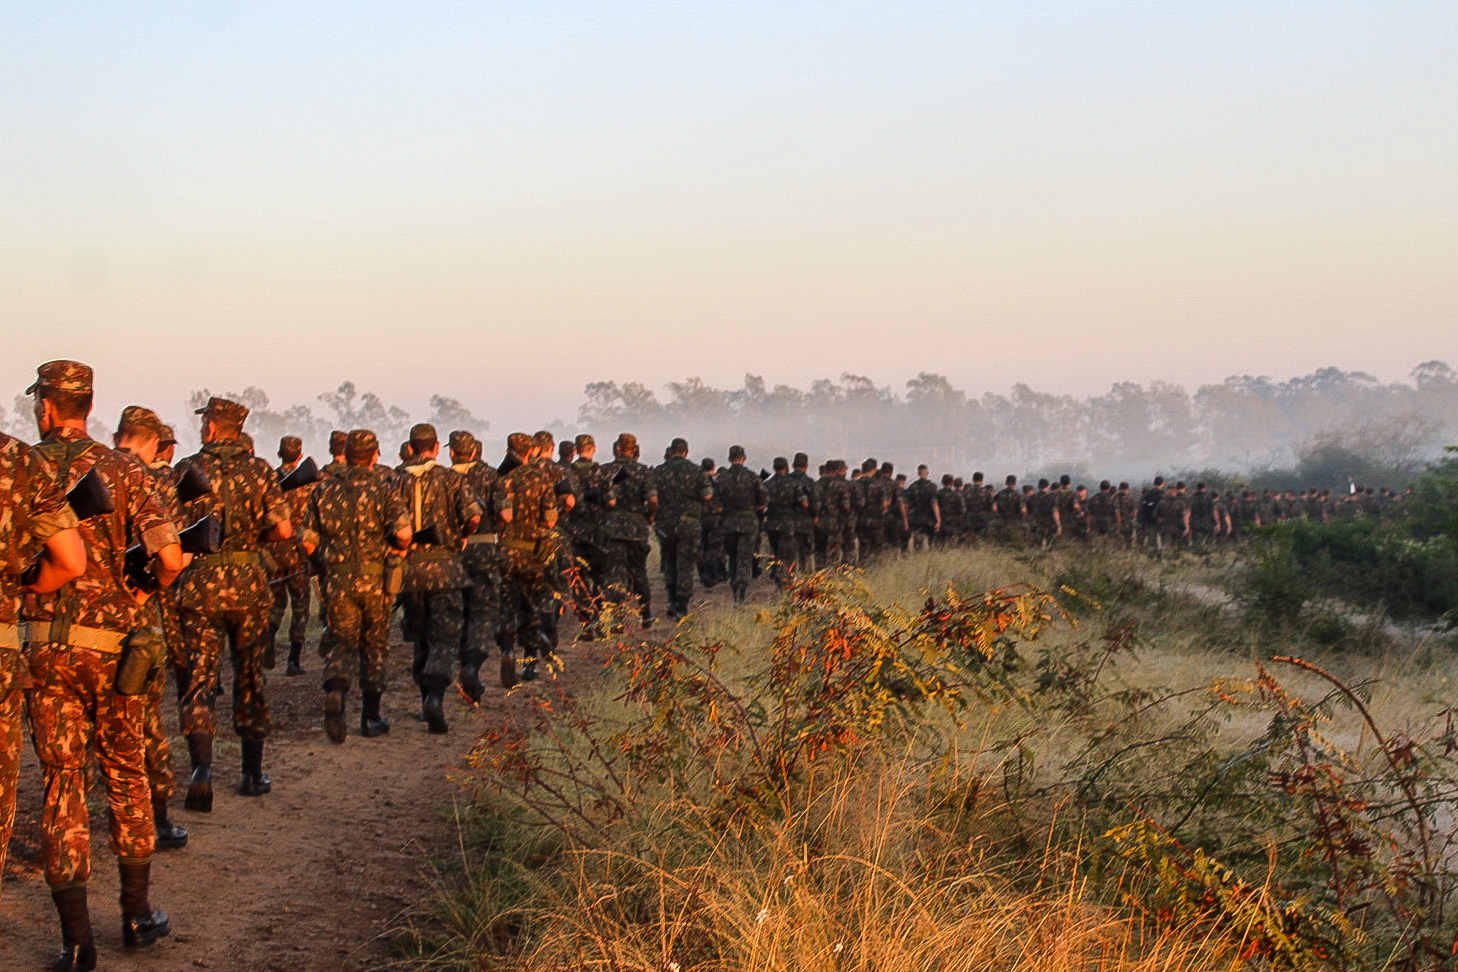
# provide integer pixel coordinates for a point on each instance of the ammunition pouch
(393, 576)
(141, 657)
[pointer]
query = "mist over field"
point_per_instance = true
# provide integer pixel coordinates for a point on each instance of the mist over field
(1322, 428)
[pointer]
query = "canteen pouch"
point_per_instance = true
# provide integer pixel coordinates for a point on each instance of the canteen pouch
(140, 657)
(394, 576)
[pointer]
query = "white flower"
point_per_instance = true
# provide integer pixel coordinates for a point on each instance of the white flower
(672, 967)
(839, 947)
(789, 879)
(763, 914)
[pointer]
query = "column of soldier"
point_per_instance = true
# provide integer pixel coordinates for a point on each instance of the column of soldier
(122, 567)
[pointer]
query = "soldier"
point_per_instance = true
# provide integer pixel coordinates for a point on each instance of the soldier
(1126, 512)
(584, 530)
(788, 499)
(871, 505)
(352, 521)
(1173, 516)
(1008, 506)
(337, 461)
(833, 507)
(527, 546)
(805, 519)
(1149, 511)
(443, 512)
(683, 489)
(952, 503)
(923, 509)
(741, 497)
(713, 562)
(632, 506)
(898, 530)
(290, 583)
(1101, 517)
(74, 642)
(137, 436)
(482, 561)
(1202, 515)
(224, 596)
(1043, 515)
(35, 522)
(1069, 510)
(560, 569)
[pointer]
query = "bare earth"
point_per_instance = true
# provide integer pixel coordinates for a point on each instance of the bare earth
(318, 875)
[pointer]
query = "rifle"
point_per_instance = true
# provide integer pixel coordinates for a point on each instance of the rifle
(193, 484)
(305, 473)
(427, 536)
(89, 497)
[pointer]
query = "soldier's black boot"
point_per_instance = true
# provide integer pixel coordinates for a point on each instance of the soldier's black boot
(740, 592)
(294, 667)
(169, 835)
(506, 640)
(78, 950)
(142, 924)
(471, 677)
(371, 723)
(434, 704)
(254, 782)
(334, 711)
(200, 788)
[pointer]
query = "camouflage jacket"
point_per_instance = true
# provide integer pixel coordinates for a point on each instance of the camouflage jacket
(922, 504)
(436, 496)
(586, 519)
(99, 598)
(627, 517)
(288, 556)
(1126, 507)
(1101, 508)
(1069, 510)
(953, 506)
(1172, 510)
(247, 501)
(788, 501)
(978, 500)
(805, 520)
(489, 489)
(350, 518)
(741, 496)
(683, 489)
(868, 499)
(1008, 503)
(167, 479)
(1202, 509)
(833, 500)
(1041, 507)
(32, 510)
(530, 491)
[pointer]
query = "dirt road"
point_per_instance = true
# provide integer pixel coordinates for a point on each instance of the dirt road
(315, 876)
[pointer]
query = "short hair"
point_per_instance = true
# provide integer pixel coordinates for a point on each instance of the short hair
(947, 478)
(1064, 480)
(678, 447)
(921, 468)
(977, 477)
(422, 438)
(706, 464)
(801, 460)
(1159, 480)
(868, 466)
(1042, 484)
(781, 463)
(337, 441)
(1011, 480)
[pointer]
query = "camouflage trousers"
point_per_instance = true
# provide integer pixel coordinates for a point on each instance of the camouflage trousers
(628, 573)
(154, 730)
(292, 593)
(12, 710)
(204, 635)
(870, 540)
(358, 615)
(678, 555)
(784, 542)
(713, 563)
(482, 606)
(434, 621)
(526, 597)
(73, 705)
(740, 547)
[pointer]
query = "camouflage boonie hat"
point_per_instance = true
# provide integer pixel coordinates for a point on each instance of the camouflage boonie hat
(520, 443)
(224, 410)
(62, 375)
(360, 444)
(462, 441)
(337, 440)
(736, 452)
(169, 437)
(584, 441)
(138, 418)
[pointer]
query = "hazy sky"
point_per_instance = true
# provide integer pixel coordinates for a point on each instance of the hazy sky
(504, 201)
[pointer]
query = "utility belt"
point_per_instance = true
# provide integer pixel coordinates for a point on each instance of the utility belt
(369, 568)
(418, 554)
(529, 546)
(237, 558)
(490, 538)
(10, 636)
(60, 632)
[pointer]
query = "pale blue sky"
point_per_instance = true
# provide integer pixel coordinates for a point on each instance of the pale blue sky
(501, 202)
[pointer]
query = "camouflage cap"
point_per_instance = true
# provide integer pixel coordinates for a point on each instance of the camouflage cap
(462, 441)
(140, 419)
(545, 440)
(520, 443)
(337, 440)
(290, 442)
(62, 375)
(422, 434)
(246, 441)
(360, 444)
(224, 410)
(626, 442)
(585, 441)
(168, 438)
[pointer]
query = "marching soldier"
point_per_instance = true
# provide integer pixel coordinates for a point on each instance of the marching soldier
(805, 519)
(75, 639)
(291, 568)
(482, 561)
(352, 521)
(741, 497)
(683, 489)
(224, 597)
(584, 530)
(632, 506)
(787, 500)
(527, 549)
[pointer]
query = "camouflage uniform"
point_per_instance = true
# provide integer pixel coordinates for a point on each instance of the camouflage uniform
(1126, 511)
(1042, 506)
(32, 510)
(836, 539)
(1008, 505)
(741, 496)
(923, 510)
(789, 502)
(713, 562)
(1101, 512)
(584, 527)
(482, 557)
(1174, 507)
(870, 503)
(434, 577)
(290, 582)
(953, 505)
(224, 596)
(979, 499)
(682, 489)
(348, 520)
(73, 646)
(634, 498)
(527, 549)
(1202, 516)
(805, 518)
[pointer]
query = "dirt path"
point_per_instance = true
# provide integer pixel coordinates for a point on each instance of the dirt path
(315, 876)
